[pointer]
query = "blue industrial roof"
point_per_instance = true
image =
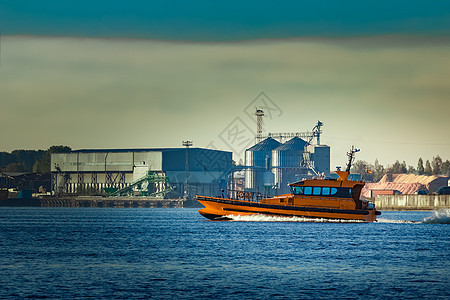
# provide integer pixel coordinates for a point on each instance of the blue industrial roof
(294, 144)
(265, 145)
(136, 150)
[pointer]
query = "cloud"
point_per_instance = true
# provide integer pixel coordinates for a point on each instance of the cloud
(93, 93)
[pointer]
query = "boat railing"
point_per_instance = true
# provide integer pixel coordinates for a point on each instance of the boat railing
(243, 195)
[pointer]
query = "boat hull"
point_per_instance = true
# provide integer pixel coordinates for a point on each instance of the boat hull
(223, 209)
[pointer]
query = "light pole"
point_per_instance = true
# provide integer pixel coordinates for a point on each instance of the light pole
(186, 144)
(106, 156)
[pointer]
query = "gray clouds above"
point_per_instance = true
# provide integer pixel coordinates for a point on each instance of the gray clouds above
(96, 93)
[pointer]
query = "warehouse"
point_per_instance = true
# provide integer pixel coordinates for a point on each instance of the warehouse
(159, 172)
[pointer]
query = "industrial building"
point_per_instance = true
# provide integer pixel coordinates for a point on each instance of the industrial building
(269, 166)
(258, 160)
(157, 172)
(272, 165)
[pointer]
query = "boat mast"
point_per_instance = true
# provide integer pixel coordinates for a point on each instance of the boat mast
(351, 157)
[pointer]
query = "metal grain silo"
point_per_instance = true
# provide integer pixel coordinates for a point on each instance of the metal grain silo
(259, 158)
(287, 160)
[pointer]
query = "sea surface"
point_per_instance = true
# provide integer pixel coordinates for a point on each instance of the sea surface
(166, 253)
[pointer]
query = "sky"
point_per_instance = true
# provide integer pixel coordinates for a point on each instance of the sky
(138, 74)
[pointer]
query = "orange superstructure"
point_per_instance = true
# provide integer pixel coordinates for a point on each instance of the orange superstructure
(312, 198)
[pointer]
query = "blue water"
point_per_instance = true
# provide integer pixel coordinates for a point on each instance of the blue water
(118, 253)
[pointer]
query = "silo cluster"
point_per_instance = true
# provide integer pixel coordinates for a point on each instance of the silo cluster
(258, 159)
(287, 162)
(272, 165)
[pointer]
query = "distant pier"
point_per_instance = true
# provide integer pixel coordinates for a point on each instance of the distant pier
(98, 201)
(382, 202)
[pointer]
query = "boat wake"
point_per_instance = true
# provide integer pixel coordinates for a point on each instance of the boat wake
(438, 217)
(266, 218)
(389, 221)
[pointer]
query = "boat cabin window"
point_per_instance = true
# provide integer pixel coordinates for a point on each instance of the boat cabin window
(322, 191)
(317, 190)
(297, 190)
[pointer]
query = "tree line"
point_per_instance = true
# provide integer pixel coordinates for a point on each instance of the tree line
(437, 166)
(37, 161)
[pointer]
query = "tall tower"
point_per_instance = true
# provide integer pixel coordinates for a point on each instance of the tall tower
(259, 113)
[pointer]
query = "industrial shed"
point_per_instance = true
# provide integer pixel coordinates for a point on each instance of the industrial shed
(153, 171)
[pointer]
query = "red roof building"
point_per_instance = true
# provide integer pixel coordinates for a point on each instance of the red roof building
(404, 184)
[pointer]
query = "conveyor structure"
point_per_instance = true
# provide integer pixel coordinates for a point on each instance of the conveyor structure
(152, 184)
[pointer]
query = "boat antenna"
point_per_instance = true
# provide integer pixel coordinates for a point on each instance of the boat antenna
(351, 157)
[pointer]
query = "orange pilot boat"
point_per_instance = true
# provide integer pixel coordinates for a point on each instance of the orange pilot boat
(311, 198)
